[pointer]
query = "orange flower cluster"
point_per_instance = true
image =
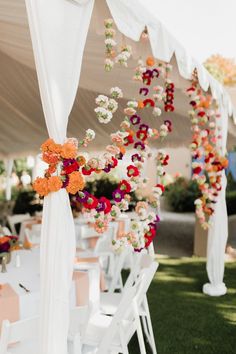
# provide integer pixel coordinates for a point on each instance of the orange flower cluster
(76, 182)
(43, 186)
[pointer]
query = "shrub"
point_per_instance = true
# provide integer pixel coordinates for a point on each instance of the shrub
(181, 195)
(231, 202)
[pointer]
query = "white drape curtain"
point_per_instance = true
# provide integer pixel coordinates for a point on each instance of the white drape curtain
(218, 233)
(9, 166)
(58, 31)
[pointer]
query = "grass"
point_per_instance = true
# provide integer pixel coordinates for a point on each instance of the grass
(186, 321)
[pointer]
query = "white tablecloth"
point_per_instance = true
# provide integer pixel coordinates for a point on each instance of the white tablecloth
(28, 275)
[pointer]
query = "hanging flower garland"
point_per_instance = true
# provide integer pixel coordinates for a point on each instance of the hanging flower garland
(209, 162)
(112, 56)
(67, 168)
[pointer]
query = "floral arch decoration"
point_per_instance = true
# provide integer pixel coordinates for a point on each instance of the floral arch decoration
(68, 169)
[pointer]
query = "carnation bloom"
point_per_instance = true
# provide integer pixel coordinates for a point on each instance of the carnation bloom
(76, 182)
(132, 171)
(91, 202)
(54, 183)
(69, 151)
(40, 185)
(118, 195)
(124, 186)
(107, 204)
(71, 167)
(50, 157)
(141, 134)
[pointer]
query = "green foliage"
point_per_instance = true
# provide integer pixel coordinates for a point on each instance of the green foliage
(2, 167)
(231, 183)
(181, 195)
(185, 321)
(26, 203)
(20, 165)
(231, 202)
(101, 187)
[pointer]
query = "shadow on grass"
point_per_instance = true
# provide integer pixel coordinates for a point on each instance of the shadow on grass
(185, 321)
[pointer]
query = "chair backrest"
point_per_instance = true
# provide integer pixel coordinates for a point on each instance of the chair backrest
(119, 265)
(144, 280)
(140, 261)
(87, 231)
(16, 219)
(17, 332)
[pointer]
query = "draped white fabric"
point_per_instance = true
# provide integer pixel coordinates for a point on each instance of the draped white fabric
(58, 31)
(9, 167)
(218, 233)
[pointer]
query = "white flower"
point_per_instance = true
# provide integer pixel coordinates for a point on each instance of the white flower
(160, 170)
(156, 111)
(116, 92)
(110, 42)
(198, 202)
(108, 64)
(112, 105)
(102, 101)
(132, 104)
(90, 134)
(103, 115)
(108, 22)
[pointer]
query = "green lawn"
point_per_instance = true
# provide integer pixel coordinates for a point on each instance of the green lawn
(185, 321)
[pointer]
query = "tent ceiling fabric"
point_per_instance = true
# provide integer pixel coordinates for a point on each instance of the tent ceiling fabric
(22, 126)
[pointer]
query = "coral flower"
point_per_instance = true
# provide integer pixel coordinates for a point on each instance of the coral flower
(150, 61)
(69, 151)
(54, 184)
(40, 185)
(76, 182)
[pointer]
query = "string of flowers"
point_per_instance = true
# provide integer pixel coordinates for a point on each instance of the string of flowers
(112, 56)
(68, 169)
(209, 162)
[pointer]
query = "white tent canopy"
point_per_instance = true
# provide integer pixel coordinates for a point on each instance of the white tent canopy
(20, 104)
(58, 30)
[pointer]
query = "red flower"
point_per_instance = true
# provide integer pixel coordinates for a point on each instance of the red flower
(197, 170)
(148, 102)
(161, 187)
(128, 140)
(115, 162)
(107, 204)
(87, 171)
(124, 186)
(141, 134)
(149, 236)
(91, 202)
(71, 168)
(132, 171)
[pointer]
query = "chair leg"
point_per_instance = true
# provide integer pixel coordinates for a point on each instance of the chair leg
(139, 330)
(150, 329)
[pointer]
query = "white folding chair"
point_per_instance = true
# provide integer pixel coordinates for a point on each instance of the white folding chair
(103, 248)
(106, 334)
(109, 302)
(33, 234)
(79, 317)
(111, 334)
(19, 337)
(16, 219)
